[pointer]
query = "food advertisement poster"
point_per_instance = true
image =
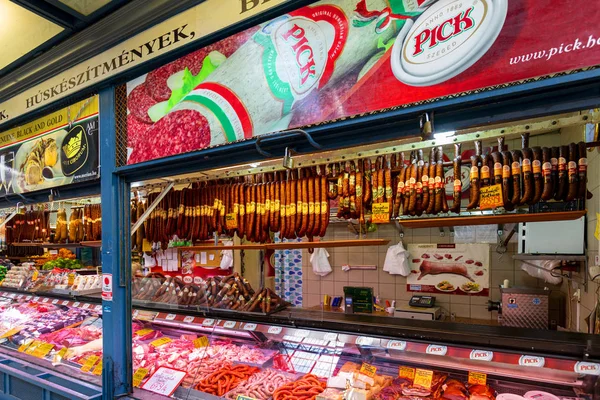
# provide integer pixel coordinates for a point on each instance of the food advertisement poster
(462, 269)
(56, 150)
(340, 58)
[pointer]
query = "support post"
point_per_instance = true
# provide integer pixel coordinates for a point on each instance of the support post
(116, 254)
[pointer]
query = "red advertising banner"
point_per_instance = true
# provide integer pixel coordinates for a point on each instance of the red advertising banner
(341, 58)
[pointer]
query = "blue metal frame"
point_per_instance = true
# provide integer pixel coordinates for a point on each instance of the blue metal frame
(116, 260)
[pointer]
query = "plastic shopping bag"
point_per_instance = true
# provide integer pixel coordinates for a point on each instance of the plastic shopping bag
(320, 262)
(226, 256)
(396, 260)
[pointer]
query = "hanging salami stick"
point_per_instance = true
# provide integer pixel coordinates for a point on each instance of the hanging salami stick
(268, 204)
(260, 208)
(276, 226)
(325, 202)
(485, 170)
(582, 164)
(563, 178)
(283, 209)
(474, 177)
(419, 183)
(548, 190)
(516, 176)
(298, 223)
(554, 154)
(317, 209)
(432, 174)
(359, 193)
(367, 192)
(352, 180)
(425, 185)
(440, 156)
(409, 190)
(507, 183)
(250, 209)
(292, 206)
(538, 184)
(457, 179)
(305, 211)
(573, 187)
(528, 184)
(387, 175)
(311, 207)
(400, 189)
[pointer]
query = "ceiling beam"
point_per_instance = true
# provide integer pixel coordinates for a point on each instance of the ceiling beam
(51, 13)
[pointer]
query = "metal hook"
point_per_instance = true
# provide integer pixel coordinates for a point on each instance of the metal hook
(280, 135)
(400, 229)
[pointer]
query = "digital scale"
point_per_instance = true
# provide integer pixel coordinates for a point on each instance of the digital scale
(419, 307)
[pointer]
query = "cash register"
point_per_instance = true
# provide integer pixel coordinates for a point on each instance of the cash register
(419, 307)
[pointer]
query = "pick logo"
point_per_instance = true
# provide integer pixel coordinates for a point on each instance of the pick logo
(437, 350)
(481, 355)
(532, 361)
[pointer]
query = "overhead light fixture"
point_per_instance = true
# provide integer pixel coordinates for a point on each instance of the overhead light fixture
(444, 135)
(253, 165)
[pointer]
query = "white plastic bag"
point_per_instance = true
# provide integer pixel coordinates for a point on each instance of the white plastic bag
(320, 263)
(542, 269)
(396, 260)
(226, 256)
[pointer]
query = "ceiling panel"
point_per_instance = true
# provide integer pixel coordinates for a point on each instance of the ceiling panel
(85, 7)
(22, 31)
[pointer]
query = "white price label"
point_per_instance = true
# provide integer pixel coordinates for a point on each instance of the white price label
(330, 336)
(28, 298)
(188, 319)
(364, 341)
(36, 299)
(170, 317)
(45, 300)
(275, 330)
(76, 304)
(229, 324)
(20, 296)
(86, 306)
(396, 345)
(98, 308)
(303, 333)
(65, 302)
(208, 322)
(55, 301)
(250, 327)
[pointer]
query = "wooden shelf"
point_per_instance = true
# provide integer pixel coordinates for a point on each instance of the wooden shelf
(487, 219)
(92, 243)
(293, 245)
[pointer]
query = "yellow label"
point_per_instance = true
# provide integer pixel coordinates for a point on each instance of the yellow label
(423, 378)
(144, 332)
(98, 369)
(304, 208)
(380, 213)
(477, 378)
(42, 350)
(311, 208)
(317, 209)
(231, 221)
(36, 273)
(11, 332)
(58, 357)
(32, 347)
(236, 208)
(388, 192)
(406, 372)
(490, 197)
(324, 207)
(277, 205)
(202, 341)
(138, 376)
(25, 346)
(368, 370)
(71, 279)
(292, 209)
(267, 205)
(283, 211)
(89, 363)
(242, 210)
(161, 341)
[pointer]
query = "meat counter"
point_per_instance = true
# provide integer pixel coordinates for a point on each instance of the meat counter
(279, 356)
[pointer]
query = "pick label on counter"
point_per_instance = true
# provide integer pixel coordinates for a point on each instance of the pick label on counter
(160, 342)
(139, 376)
(89, 363)
(423, 378)
(368, 370)
(406, 372)
(477, 378)
(202, 341)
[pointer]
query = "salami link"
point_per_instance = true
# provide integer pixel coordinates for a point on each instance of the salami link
(317, 206)
(582, 168)
(325, 203)
(554, 153)
(457, 181)
(305, 216)
(507, 181)
(548, 190)
(516, 176)
(537, 175)
(573, 175)
(528, 185)
(367, 191)
(292, 206)
(311, 207)
(283, 211)
(425, 184)
(388, 185)
(561, 192)
(485, 170)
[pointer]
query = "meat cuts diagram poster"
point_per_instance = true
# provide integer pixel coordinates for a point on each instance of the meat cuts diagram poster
(340, 58)
(462, 269)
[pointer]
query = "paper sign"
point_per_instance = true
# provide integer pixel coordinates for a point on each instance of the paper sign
(139, 376)
(98, 369)
(144, 332)
(25, 346)
(406, 372)
(380, 213)
(42, 350)
(490, 197)
(368, 370)
(71, 279)
(58, 357)
(231, 221)
(242, 397)
(32, 347)
(423, 378)
(164, 381)
(89, 363)
(11, 332)
(202, 341)
(477, 378)
(160, 342)
(597, 232)
(34, 278)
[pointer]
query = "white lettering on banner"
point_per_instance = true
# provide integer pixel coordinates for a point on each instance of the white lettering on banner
(532, 361)
(189, 26)
(482, 355)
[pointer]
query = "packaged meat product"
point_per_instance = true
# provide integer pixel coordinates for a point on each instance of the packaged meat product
(261, 386)
(223, 380)
(509, 396)
(539, 395)
(307, 387)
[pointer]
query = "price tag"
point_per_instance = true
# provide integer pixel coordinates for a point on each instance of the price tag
(28, 298)
(189, 319)
(86, 306)
(98, 308)
(170, 317)
(76, 304)
(208, 322)
(330, 336)
(368, 370)
(71, 279)
(36, 299)
(423, 378)
(242, 397)
(55, 301)
(364, 341)
(89, 363)
(45, 300)
(144, 332)
(490, 197)
(32, 347)
(65, 302)
(406, 372)
(229, 324)
(250, 327)
(24, 346)
(42, 350)
(303, 333)
(396, 345)
(35, 275)
(275, 330)
(477, 378)
(164, 381)
(60, 355)
(160, 341)
(98, 369)
(231, 221)
(11, 332)
(139, 376)
(380, 213)
(19, 297)
(202, 341)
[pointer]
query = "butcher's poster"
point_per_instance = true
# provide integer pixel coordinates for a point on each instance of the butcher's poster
(55, 150)
(340, 58)
(462, 269)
